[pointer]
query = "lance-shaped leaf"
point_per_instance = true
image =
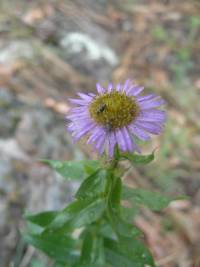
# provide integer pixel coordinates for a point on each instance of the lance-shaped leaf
(72, 169)
(138, 159)
(120, 226)
(92, 253)
(42, 219)
(127, 252)
(57, 246)
(153, 200)
(79, 213)
(92, 186)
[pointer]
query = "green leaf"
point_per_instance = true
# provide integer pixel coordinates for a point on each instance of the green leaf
(41, 219)
(115, 194)
(34, 228)
(128, 213)
(127, 252)
(107, 231)
(37, 263)
(92, 250)
(90, 166)
(120, 226)
(98, 256)
(36, 223)
(86, 253)
(59, 247)
(78, 213)
(59, 264)
(153, 200)
(138, 159)
(71, 169)
(92, 186)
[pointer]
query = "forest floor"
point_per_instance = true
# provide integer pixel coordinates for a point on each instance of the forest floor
(51, 49)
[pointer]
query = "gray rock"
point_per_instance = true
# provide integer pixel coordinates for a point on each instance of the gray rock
(88, 55)
(15, 50)
(77, 42)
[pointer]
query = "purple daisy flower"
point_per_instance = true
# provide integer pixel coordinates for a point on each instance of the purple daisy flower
(115, 116)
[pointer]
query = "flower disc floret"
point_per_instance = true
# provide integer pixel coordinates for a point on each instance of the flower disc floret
(113, 110)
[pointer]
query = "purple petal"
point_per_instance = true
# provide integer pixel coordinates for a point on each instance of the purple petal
(111, 143)
(136, 147)
(146, 97)
(136, 90)
(84, 131)
(150, 127)
(152, 115)
(78, 101)
(79, 116)
(85, 97)
(128, 139)
(129, 90)
(96, 133)
(92, 95)
(100, 90)
(118, 87)
(151, 104)
(121, 140)
(70, 127)
(141, 134)
(100, 144)
(79, 125)
(110, 86)
(126, 85)
(78, 109)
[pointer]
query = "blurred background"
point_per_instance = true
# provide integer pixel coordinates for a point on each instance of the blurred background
(49, 50)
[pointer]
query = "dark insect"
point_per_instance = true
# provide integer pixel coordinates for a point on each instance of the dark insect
(101, 108)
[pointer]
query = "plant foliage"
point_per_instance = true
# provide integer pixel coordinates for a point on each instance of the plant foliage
(92, 230)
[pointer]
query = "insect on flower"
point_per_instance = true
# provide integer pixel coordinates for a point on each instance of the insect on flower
(115, 116)
(101, 108)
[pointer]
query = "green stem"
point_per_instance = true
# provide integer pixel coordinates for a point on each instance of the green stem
(111, 179)
(112, 199)
(112, 193)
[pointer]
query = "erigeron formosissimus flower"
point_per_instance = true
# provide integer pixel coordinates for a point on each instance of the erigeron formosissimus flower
(116, 115)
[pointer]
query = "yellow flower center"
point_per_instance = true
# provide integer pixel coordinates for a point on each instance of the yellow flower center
(114, 110)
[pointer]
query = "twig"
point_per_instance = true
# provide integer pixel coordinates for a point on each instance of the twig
(27, 257)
